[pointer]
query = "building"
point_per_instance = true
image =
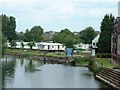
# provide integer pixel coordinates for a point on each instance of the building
(94, 44)
(82, 46)
(115, 41)
(44, 46)
(95, 41)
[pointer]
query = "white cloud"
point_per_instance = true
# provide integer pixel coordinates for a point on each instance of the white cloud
(54, 11)
(96, 12)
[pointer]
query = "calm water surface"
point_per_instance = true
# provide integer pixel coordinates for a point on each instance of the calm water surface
(26, 73)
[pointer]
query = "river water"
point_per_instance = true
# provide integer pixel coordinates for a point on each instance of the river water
(30, 73)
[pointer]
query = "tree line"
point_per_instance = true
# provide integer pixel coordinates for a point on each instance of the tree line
(65, 36)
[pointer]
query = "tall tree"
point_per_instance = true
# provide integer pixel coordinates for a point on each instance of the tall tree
(8, 27)
(22, 45)
(31, 44)
(69, 42)
(107, 28)
(13, 44)
(87, 35)
(65, 37)
(34, 34)
(4, 46)
(20, 36)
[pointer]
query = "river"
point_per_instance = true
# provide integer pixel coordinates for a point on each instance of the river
(25, 73)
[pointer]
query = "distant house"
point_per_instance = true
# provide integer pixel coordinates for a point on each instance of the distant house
(95, 41)
(44, 46)
(18, 45)
(76, 33)
(115, 41)
(94, 44)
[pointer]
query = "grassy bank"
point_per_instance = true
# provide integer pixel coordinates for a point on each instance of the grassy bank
(95, 64)
(37, 52)
(80, 61)
(84, 61)
(34, 52)
(104, 62)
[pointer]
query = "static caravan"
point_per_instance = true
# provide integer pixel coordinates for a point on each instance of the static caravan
(44, 46)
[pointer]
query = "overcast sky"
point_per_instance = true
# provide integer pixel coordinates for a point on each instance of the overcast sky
(58, 14)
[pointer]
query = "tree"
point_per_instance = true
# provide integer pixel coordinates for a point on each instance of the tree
(65, 37)
(69, 42)
(47, 36)
(8, 27)
(31, 44)
(13, 44)
(107, 28)
(4, 46)
(34, 34)
(87, 35)
(20, 36)
(22, 45)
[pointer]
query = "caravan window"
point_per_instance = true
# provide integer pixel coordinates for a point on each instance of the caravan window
(93, 43)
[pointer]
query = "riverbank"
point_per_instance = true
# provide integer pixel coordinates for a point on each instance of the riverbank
(34, 53)
(96, 65)
(80, 59)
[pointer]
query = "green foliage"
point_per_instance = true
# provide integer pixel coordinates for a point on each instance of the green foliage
(87, 35)
(34, 34)
(97, 70)
(20, 36)
(104, 62)
(66, 37)
(13, 43)
(107, 28)
(69, 41)
(31, 44)
(83, 60)
(8, 27)
(94, 67)
(22, 45)
(4, 40)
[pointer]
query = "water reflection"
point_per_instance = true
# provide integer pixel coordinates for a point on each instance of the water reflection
(8, 69)
(29, 73)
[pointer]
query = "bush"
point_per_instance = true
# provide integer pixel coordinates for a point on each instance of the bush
(103, 55)
(86, 59)
(98, 70)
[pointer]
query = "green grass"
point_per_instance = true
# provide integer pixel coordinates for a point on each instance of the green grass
(104, 62)
(83, 61)
(29, 52)
(56, 54)
(34, 52)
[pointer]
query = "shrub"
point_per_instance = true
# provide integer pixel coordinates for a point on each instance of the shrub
(86, 59)
(98, 70)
